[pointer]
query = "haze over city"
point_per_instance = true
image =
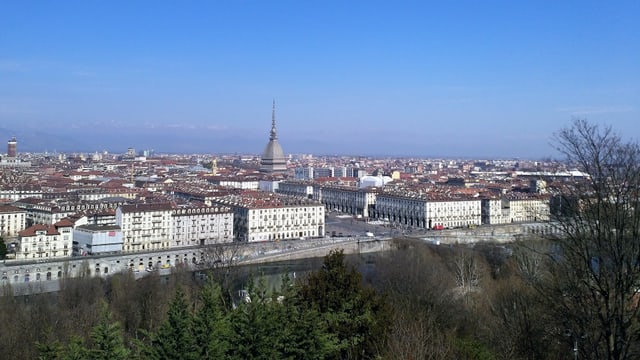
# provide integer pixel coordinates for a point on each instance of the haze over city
(470, 79)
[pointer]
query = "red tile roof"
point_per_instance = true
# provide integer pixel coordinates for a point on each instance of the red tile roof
(9, 209)
(31, 231)
(66, 222)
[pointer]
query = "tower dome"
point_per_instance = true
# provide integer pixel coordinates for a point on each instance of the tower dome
(273, 160)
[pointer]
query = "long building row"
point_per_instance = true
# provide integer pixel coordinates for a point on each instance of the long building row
(136, 227)
(424, 209)
(139, 227)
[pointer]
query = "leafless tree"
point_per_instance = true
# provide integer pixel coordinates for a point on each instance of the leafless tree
(594, 269)
(219, 262)
(530, 258)
(418, 336)
(467, 274)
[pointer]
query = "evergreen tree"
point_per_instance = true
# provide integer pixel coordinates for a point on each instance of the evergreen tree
(255, 326)
(304, 332)
(54, 350)
(3, 249)
(354, 312)
(75, 350)
(174, 339)
(212, 330)
(51, 350)
(107, 338)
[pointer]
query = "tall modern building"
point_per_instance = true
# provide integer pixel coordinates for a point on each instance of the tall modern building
(273, 160)
(12, 147)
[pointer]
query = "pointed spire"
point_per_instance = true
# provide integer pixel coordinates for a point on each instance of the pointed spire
(273, 136)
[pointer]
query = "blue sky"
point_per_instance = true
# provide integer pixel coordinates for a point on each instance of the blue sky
(437, 79)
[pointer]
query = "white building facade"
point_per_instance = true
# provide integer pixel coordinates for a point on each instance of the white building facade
(495, 211)
(198, 226)
(96, 239)
(529, 208)
(12, 221)
(348, 200)
(423, 212)
(145, 226)
(42, 241)
(271, 217)
(296, 188)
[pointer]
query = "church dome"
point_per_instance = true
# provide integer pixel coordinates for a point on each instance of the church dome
(273, 151)
(273, 160)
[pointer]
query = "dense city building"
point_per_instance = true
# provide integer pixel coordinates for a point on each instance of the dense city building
(430, 212)
(349, 200)
(202, 225)
(97, 239)
(12, 221)
(45, 241)
(145, 226)
(135, 203)
(260, 216)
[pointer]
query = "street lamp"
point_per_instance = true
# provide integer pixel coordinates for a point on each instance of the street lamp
(571, 334)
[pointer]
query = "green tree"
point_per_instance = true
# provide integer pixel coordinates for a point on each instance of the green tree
(175, 339)
(303, 332)
(3, 249)
(212, 329)
(51, 350)
(272, 325)
(355, 313)
(107, 338)
(75, 350)
(255, 325)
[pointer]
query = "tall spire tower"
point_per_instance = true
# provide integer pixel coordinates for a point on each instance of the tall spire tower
(273, 160)
(274, 135)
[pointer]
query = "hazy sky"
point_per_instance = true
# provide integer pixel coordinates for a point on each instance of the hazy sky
(430, 78)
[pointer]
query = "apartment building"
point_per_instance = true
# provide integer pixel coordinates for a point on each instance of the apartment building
(348, 200)
(296, 188)
(303, 173)
(96, 239)
(495, 211)
(17, 192)
(145, 226)
(260, 216)
(45, 241)
(201, 225)
(424, 211)
(452, 213)
(41, 211)
(12, 221)
(528, 207)
(236, 183)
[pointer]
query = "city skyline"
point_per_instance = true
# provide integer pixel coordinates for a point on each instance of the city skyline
(375, 78)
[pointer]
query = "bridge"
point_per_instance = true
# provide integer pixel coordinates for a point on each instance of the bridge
(26, 277)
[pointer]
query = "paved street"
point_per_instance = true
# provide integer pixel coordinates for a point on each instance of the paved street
(347, 225)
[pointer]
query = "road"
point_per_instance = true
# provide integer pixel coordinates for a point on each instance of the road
(350, 226)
